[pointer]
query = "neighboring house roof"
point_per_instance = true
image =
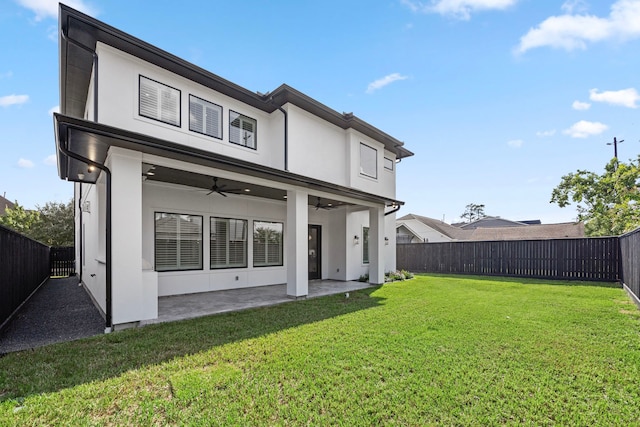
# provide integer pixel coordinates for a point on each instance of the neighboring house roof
(508, 230)
(441, 227)
(530, 232)
(4, 204)
(492, 222)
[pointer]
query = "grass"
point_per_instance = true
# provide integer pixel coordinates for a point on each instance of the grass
(435, 350)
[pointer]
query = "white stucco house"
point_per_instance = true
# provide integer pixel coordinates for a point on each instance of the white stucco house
(186, 182)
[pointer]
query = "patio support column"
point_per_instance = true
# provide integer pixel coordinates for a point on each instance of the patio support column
(297, 244)
(130, 303)
(376, 245)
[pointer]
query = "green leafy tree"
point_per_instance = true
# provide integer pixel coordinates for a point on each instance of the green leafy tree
(473, 212)
(55, 226)
(51, 224)
(19, 219)
(608, 203)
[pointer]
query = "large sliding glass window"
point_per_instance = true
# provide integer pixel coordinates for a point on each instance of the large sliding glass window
(228, 243)
(178, 242)
(267, 243)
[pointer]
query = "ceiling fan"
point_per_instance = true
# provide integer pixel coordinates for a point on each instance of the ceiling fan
(220, 189)
(319, 205)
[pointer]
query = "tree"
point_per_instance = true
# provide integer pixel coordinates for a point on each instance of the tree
(19, 219)
(607, 203)
(55, 227)
(51, 224)
(473, 212)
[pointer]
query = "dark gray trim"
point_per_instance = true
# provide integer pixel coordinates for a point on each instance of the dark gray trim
(76, 66)
(96, 139)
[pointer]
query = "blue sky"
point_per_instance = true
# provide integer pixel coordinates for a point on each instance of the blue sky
(497, 98)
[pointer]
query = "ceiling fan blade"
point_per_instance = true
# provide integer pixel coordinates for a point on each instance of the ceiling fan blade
(209, 192)
(221, 193)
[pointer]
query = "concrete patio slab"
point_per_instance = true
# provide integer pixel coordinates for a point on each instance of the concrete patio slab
(181, 307)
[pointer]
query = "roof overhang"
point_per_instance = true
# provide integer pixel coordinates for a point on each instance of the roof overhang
(80, 33)
(92, 141)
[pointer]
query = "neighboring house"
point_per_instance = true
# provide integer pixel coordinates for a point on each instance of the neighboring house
(419, 229)
(4, 204)
(190, 183)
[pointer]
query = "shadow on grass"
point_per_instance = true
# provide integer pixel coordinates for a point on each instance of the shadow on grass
(64, 365)
(524, 280)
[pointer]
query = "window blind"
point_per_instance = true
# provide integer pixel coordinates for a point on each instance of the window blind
(228, 243)
(242, 130)
(368, 161)
(205, 117)
(159, 101)
(178, 242)
(267, 243)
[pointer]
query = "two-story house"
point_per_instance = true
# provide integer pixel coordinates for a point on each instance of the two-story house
(186, 182)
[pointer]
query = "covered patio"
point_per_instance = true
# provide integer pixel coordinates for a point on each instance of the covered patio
(189, 306)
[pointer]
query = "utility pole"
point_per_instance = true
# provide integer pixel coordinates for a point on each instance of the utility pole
(615, 147)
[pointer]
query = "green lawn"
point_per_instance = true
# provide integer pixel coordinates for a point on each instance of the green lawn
(435, 350)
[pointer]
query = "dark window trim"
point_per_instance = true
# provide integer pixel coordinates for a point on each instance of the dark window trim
(365, 174)
(201, 244)
(255, 132)
(385, 165)
(253, 259)
(221, 119)
(179, 125)
(246, 244)
(363, 245)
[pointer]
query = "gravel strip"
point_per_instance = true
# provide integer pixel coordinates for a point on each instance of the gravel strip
(59, 311)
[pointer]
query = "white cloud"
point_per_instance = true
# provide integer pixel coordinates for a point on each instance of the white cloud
(50, 160)
(386, 80)
(625, 97)
(545, 133)
(583, 129)
(49, 8)
(460, 9)
(55, 109)
(578, 105)
(6, 101)
(571, 31)
(25, 163)
(515, 143)
(571, 6)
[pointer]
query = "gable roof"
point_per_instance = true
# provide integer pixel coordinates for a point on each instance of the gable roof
(4, 204)
(79, 34)
(441, 227)
(490, 221)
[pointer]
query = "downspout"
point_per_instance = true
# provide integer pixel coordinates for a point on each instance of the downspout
(108, 310)
(286, 136)
(80, 231)
(396, 209)
(108, 290)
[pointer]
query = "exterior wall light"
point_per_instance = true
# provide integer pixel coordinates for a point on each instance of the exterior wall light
(386, 240)
(356, 239)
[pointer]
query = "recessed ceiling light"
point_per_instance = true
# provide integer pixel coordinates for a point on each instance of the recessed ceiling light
(247, 190)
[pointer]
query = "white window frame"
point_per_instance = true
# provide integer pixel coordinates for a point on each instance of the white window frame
(368, 161)
(208, 109)
(268, 253)
(159, 98)
(240, 136)
(182, 241)
(388, 164)
(226, 242)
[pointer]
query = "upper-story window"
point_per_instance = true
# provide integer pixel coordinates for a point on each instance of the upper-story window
(205, 117)
(159, 102)
(368, 161)
(242, 130)
(388, 163)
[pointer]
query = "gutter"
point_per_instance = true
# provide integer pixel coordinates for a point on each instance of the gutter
(396, 209)
(286, 138)
(108, 279)
(108, 309)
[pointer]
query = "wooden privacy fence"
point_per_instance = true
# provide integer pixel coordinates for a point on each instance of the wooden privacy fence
(630, 255)
(24, 265)
(62, 261)
(567, 259)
